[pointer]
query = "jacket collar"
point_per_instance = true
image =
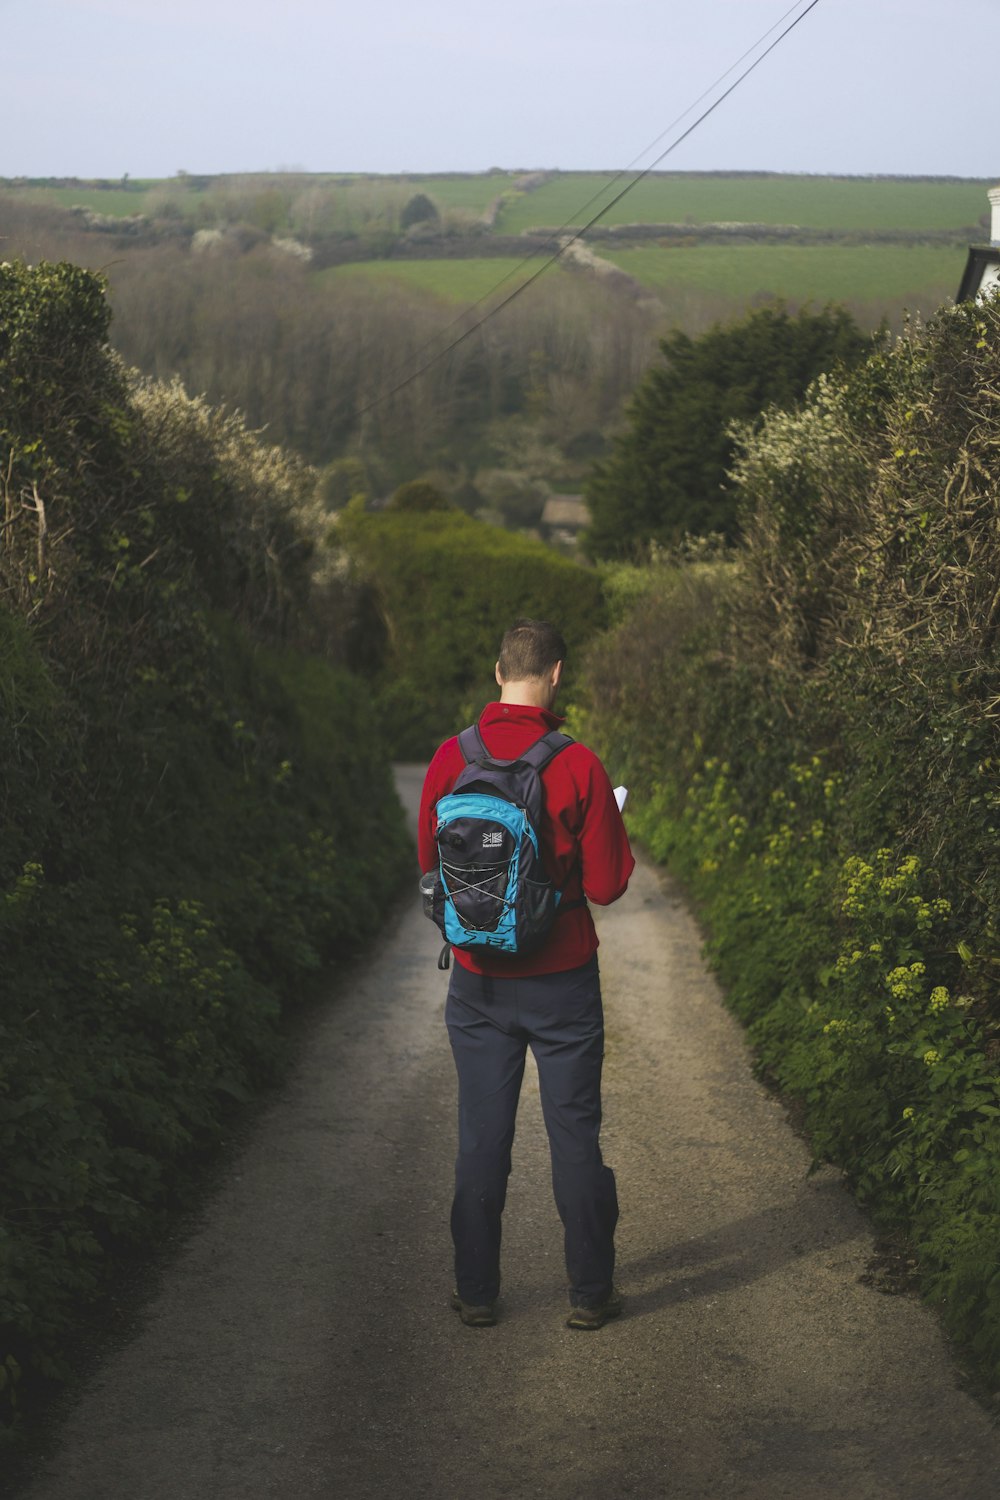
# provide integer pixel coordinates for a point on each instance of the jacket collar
(524, 715)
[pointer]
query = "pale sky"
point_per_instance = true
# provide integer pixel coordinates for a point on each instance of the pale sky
(101, 87)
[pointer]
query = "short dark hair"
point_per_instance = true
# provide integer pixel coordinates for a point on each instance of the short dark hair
(530, 648)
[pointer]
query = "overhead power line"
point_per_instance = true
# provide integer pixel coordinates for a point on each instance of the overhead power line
(554, 237)
(596, 218)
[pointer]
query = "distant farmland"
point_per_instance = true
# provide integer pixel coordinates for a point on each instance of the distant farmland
(849, 204)
(307, 301)
(710, 281)
(927, 274)
(880, 245)
(458, 281)
(553, 199)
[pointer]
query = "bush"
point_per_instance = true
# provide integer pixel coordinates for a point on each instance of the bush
(418, 210)
(447, 588)
(419, 495)
(195, 816)
(809, 731)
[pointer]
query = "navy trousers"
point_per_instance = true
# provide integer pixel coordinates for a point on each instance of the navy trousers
(491, 1022)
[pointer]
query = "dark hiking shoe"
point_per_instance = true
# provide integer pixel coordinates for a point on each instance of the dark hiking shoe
(474, 1315)
(597, 1316)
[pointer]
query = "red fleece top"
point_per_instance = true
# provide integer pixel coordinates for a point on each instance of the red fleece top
(585, 848)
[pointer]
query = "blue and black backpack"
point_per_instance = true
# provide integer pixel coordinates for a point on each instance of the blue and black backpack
(490, 891)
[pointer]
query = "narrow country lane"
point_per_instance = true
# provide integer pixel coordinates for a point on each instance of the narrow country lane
(302, 1345)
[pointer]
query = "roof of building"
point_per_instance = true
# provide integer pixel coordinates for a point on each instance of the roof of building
(566, 510)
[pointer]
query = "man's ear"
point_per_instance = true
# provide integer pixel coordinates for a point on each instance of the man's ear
(497, 675)
(557, 674)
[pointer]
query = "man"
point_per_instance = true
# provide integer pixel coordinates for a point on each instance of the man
(549, 999)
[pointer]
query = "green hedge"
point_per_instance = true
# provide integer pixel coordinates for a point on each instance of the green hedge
(443, 588)
(195, 815)
(808, 724)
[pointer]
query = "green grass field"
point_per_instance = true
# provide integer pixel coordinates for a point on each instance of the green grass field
(919, 276)
(458, 281)
(119, 202)
(813, 202)
(849, 204)
(821, 273)
(339, 203)
(464, 192)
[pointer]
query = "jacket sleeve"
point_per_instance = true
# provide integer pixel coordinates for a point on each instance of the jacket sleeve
(606, 860)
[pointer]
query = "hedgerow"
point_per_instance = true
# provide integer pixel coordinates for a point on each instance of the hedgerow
(808, 722)
(442, 588)
(195, 815)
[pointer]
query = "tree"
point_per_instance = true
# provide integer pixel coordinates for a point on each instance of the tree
(419, 210)
(419, 495)
(341, 480)
(667, 474)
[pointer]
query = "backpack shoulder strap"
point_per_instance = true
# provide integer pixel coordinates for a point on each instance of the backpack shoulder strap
(471, 744)
(537, 755)
(542, 751)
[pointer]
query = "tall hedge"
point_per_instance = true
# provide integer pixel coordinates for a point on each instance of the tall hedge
(442, 588)
(194, 814)
(810, 724)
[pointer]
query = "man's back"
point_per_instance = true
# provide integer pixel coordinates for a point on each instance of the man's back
(584, 846)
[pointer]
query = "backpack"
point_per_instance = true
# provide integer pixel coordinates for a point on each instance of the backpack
(490, 891)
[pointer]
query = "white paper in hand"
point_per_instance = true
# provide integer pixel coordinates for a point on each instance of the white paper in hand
(621, 792)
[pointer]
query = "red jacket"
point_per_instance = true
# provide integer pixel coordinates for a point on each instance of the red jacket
(585, 848)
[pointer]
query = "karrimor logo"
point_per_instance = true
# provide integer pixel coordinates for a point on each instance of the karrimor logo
(493, 840)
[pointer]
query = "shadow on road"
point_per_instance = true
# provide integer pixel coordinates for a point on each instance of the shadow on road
(738, 1253)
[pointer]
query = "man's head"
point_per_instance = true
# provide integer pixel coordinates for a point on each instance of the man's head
(530, 666)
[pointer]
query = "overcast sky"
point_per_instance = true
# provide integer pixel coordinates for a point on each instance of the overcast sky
(150, 87)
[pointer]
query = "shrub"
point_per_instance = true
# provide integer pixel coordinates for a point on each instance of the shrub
(419, 495)
(447, 587)
(418, 210)
(195, 815)
(810, 734)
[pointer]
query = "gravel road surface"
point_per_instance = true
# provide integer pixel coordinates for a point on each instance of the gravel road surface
(301, 1344)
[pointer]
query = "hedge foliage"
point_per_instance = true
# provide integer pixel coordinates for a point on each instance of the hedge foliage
(442, 588)
(809, 723)
(195, 815)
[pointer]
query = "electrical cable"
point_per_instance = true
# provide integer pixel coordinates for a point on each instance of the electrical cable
(553, 238)
(579, 233)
